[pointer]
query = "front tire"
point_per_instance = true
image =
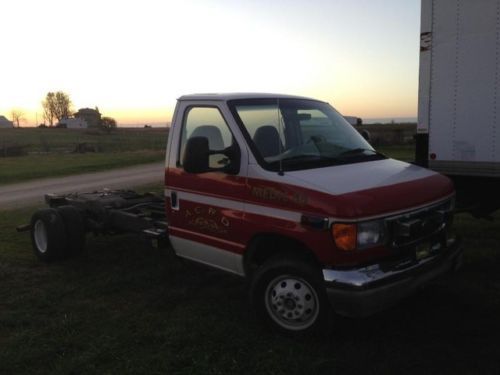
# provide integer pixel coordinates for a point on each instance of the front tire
(289, 297)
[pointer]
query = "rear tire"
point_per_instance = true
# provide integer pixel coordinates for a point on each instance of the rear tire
(289, 297)
(75, 229)
(48, 235)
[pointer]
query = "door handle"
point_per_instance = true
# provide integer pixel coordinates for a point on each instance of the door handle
(174, 200)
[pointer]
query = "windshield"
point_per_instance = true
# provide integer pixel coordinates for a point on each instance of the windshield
(291, 134)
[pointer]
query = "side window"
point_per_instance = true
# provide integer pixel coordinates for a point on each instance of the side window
(206, 122)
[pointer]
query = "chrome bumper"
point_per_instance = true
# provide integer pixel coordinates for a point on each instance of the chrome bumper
(364, 291)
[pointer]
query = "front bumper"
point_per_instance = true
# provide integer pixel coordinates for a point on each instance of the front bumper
(364, 291)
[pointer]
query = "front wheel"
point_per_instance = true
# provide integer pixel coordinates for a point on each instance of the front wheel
(288, 296)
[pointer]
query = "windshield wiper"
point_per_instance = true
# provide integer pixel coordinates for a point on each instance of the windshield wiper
(299, 158)
(360, 152)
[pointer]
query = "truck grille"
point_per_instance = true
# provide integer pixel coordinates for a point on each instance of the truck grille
(420, 225)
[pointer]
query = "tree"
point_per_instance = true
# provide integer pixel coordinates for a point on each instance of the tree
(17, 116)
(63, 105)
(56, 105)
(108, 124)
(49, 108)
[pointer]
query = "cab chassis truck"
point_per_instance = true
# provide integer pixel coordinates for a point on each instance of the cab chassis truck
(282, 191)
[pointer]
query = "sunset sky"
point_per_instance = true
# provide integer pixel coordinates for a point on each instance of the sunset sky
(132, 59)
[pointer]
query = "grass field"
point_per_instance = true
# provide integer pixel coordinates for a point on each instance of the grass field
(35, 166)
(124, 307)
(65, 140)
(400, 152)
(49, 152)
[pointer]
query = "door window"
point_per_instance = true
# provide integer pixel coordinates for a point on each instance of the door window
(207, 122)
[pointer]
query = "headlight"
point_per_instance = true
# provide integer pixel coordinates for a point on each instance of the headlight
(371, 233)
(349, 237)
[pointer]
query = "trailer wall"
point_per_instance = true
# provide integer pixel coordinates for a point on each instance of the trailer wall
(458, 130)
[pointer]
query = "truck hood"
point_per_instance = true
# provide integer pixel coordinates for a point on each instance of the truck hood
(370, 188)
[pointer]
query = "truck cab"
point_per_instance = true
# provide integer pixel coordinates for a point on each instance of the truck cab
(283, 191)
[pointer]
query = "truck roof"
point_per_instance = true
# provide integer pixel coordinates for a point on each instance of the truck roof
(239, 95)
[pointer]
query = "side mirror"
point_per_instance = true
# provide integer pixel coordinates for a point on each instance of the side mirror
(196, 153)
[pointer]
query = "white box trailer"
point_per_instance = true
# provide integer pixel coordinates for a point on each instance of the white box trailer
(458, 130)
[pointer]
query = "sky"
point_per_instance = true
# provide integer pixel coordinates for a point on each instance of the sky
(132, 59)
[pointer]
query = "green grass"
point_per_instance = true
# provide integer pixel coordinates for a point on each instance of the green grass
(124, 307)
(17, 169)
(50, 151)
(400, 152)
(65, 140)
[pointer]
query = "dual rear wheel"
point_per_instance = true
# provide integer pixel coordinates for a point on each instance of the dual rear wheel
(57, 233)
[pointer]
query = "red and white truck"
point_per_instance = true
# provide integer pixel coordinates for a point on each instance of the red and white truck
(283, 191)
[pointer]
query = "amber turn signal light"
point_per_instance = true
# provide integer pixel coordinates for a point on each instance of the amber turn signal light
(345, 236)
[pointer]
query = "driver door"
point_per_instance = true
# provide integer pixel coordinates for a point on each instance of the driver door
(206, 209)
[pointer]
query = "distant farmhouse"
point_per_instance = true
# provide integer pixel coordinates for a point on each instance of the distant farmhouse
(4, 123)
(91, 116)
(73, 123)
(84, 118)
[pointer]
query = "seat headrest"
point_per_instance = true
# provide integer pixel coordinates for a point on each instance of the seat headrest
(213, 133)
(267, 140)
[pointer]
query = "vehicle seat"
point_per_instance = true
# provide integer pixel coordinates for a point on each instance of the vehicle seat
(213, 134)
(267, 140)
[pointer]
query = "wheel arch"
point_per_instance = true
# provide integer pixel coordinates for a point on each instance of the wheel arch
(264, 246)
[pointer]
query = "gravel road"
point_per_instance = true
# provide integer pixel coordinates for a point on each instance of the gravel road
(32, 192)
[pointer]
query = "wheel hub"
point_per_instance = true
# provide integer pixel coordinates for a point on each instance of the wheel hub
(292, 302)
